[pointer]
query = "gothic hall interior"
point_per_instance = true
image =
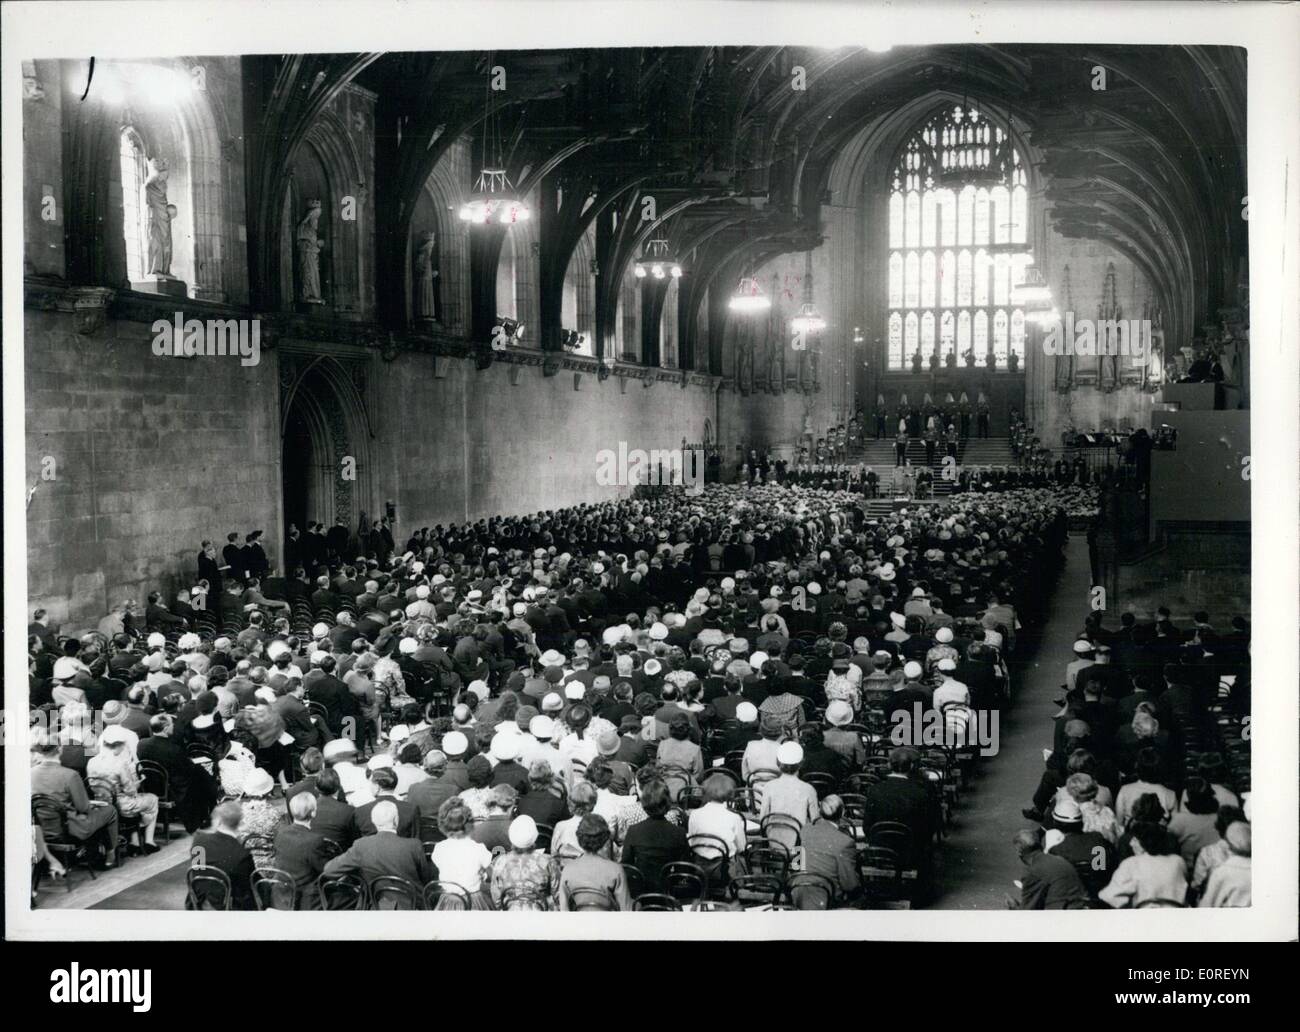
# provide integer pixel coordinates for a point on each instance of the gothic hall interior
(441, 268)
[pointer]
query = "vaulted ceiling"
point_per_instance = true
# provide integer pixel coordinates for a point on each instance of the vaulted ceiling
(739, 160)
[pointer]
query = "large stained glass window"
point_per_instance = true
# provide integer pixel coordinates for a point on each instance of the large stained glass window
(958, 233)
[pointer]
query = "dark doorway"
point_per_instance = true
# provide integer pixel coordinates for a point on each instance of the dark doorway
(297, 461)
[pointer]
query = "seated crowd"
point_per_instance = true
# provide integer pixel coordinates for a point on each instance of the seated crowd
(1144, 797)
(646, 703)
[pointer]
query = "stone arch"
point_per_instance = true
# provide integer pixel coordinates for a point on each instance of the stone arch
(328, 167)
(325, 423)
(578, 307)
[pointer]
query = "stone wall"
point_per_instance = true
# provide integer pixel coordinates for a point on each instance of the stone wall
(136, 458)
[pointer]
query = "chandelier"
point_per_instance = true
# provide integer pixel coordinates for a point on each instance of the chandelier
(808, 321)
(749, 297)
(656, 262)
(494, 200)
(1033, 291)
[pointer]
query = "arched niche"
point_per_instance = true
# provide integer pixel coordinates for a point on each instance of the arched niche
(436, 211)
(578, 301)
(327, 168)
(163, 109)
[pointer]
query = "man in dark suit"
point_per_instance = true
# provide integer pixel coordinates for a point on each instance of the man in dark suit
(190, 786)
(427, 796)
(301, 852)
(385, 852)
(220, 848)
(903, 798)
(334, 819)
(333, 694)
(1048, 882)
(293, 711)
(234, 557)
(383, 782)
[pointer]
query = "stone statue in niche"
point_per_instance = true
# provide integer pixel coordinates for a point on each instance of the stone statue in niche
(744, 360)
(310, 246)
(426, 271)
(160, 214)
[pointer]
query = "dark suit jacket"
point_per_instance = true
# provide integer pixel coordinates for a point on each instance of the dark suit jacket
(384, 854)
(1051, 883)
(427, 796)
(297, 721)
(543, 807)
(300, 852)
(511, 773)
(334, 820)
(904, 800)
(652, 843)
(408, 818)
(214, 849)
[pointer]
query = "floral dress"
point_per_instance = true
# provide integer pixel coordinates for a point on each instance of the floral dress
(261, 817)
(531, 880)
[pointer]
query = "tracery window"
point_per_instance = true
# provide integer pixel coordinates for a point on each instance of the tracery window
(958, 233)
(135, 228)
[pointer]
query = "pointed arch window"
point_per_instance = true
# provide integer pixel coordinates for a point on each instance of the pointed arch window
(958, 226)
(135, 228)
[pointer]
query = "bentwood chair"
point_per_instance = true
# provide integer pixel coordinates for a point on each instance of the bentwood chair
(341, 892)
(274, 889)
(390, 892)
(207, 888)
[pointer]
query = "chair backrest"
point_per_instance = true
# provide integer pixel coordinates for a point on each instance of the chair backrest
(810, 891)
(756, 889)
(635, 880)
(782, 828)
(655, 901)
(891, 835)
(691, 797)
(744, 801)
(390, 892)
(685, 881)
(274, 889)
(445, 895)
(771, 858)
(825, 784)
(207, 888)
(708, 848)
(587, 898)
(51, 814)
(155, 778)
(341, 892)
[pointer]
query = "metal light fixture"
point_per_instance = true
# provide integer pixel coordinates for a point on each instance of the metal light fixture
(749, 297)
(494, 200)
(656, 262)
(1033, 290)
(808, 321)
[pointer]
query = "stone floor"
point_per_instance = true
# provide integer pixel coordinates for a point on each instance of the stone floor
(979, 863)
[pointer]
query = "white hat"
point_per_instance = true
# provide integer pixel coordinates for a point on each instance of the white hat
(188, 641)
(66, 667)
(474, 595)
(320, 630)
(747, 713)
(523, 832)
(790, 754)
(399, 733)
(453, 743)
(267, 695)
(653, 667)
(221, 643)
(727, 584)
(422, 591)
(898, 620)
(519, 609)
(947, 665)
(258, 782)
(552, 658)
(912, 670)
(437, 580)
(1081, 646)
(574, 691)
(157, 640)
(552, 702)
(504, 746)
(943, 635)
(480, 688)
(338, 747)
(839, 713)
(417, 567)
(541, 727)
(407, 646)
(658, 631)
(814, 588)
(379, 760)
(758, 659)
(319, 656)
(918, 592)
(114, 734)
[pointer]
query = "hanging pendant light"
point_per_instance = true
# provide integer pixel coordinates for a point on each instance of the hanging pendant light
(657, 262)
(495, 199)
(1032, 290)
(808, 320)
(749, 297)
